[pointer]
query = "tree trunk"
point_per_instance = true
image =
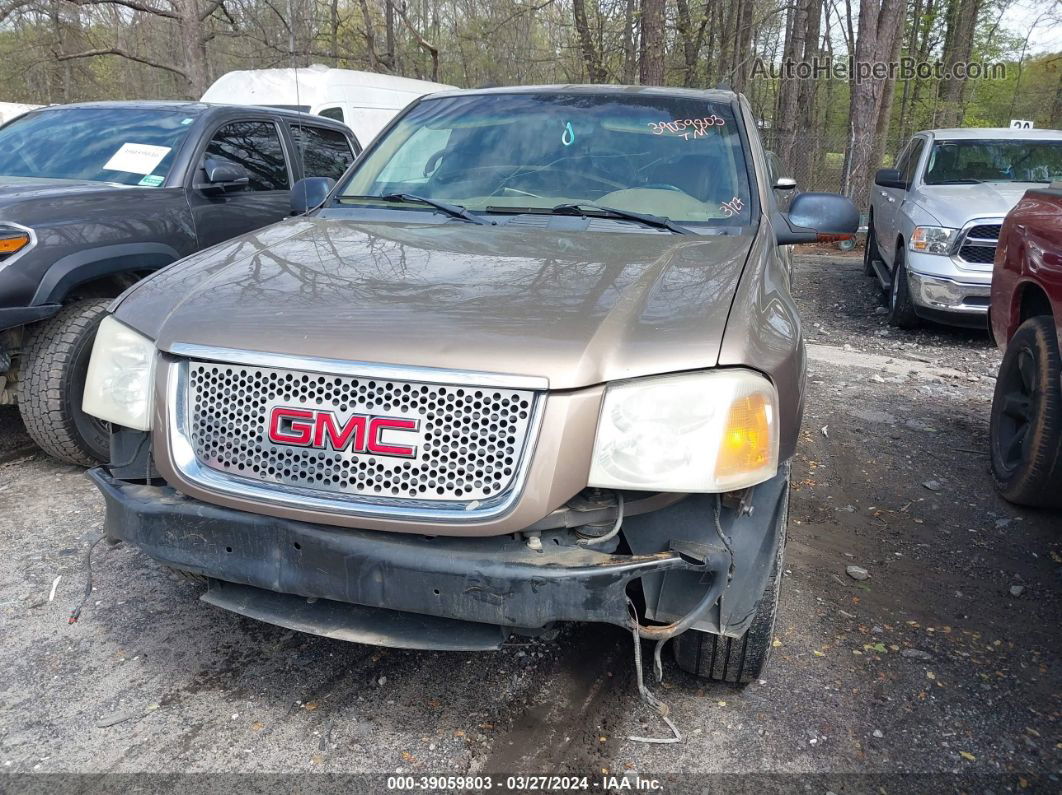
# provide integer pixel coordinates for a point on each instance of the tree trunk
(591, 55)
(958, 46)
(691, 34)
(884, 116)
(879, 21)
(193, 47)
(651, 67)
(389, 57)
(742, 57)
(630, 43)
(785, 117)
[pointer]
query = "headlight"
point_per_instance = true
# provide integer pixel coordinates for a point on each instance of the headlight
(933, 239)
(13, 239)
(710, 431)
(121, 375)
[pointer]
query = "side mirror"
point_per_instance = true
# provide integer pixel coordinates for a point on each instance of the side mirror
(889, 178)
(310, 193)
(223, 176)
(784, 183)
(816, 216)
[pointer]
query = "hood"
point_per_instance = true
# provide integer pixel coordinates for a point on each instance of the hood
(954, 205)
(578, 308)
(18, 189)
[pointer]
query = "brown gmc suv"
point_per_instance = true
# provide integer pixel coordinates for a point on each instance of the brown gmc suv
(534, 360)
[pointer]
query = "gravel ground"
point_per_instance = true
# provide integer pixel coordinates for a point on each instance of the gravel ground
(931, 665)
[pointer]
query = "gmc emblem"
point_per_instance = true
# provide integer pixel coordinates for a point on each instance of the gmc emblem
(322, 429)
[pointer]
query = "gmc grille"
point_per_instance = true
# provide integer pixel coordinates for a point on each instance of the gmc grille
(470, 441)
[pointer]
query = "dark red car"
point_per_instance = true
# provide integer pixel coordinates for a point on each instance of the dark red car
(1026, 321)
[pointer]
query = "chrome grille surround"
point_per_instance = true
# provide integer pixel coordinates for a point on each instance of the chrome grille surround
(977, 241)
(469, 465)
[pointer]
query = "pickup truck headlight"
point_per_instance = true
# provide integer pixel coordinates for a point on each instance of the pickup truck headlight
(709, 431)
(121, 375)
(933, 239)
(12, 240)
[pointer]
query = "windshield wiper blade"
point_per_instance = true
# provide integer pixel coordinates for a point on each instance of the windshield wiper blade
(453, 210)
(655, 221)
(960, 181)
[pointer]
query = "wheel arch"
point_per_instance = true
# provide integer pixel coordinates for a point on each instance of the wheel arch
(1032, 301)
(101, 272)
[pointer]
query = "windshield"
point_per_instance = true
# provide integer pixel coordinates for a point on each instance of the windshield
(675, 157)
(128, 146)
(994, 161)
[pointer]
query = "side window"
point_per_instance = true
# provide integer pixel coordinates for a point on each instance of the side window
(256, 146)
(332, 113)
(325, 153)
(914, 155)
(904, 157)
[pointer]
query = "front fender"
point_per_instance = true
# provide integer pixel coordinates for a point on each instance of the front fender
(91, 264)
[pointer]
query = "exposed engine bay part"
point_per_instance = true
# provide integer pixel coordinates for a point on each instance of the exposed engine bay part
(588, 540)
(663, 634)
(581, 511)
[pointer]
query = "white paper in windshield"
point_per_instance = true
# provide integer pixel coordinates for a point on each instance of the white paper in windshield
(136, 158)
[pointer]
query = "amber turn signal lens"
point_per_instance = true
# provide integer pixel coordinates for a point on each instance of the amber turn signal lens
(747, 439)
(9, 244)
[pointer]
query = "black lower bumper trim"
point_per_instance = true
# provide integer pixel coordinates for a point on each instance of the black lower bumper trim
(11, 316)
(371, 625)
(493, 580)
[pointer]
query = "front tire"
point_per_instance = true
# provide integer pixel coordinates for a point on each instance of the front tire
(742, 660)
(52, 383)
(901, 308)
(1025, 431)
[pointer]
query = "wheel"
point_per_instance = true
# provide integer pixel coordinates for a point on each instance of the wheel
(870, 252)
(720, 658)
(901, 308)
(1025, 431)
(55, 362)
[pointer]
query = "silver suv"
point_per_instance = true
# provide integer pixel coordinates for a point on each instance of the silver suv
(935, 218)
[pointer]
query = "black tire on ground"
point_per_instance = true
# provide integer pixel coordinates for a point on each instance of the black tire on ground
(55, 360)
(870, 252)
(737, 660)
(1025, 431)
(901, 309)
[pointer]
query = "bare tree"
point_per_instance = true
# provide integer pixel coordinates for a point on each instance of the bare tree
(651, 59)
(190, 17)
(879, 25)
(958, 46)
(691, 33)
(591, 54)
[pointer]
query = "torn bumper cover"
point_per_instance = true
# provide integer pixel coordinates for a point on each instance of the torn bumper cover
(496, 580)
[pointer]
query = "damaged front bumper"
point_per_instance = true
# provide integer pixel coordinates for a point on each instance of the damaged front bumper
(385, 588)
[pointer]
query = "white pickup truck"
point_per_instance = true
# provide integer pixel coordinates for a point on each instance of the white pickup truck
(935, 217)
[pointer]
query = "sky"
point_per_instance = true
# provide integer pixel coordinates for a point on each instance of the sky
(1045, 19)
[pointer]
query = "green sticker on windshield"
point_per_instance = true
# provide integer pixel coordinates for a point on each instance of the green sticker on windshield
(152, 181)
(568, 136)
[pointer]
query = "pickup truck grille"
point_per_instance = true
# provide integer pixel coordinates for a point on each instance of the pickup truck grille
(979, 244)
(468, 444)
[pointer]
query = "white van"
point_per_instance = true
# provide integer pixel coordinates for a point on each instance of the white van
(364, 101)
(11, 110)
